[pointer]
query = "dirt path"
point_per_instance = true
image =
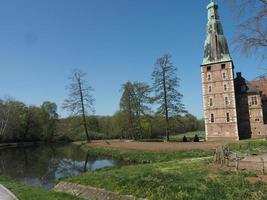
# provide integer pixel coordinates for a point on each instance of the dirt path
(156, 146)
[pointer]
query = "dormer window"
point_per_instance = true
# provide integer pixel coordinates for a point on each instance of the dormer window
(254, 100)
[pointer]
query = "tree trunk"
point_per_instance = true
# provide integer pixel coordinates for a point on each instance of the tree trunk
(83, 111)
(166, 106)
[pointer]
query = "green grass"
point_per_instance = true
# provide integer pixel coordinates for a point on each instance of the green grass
(189, 135)
(136, 156)
(254, 147)
(26, 192)
(175, 180)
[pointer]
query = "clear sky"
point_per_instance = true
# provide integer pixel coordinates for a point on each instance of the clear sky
(114, 41)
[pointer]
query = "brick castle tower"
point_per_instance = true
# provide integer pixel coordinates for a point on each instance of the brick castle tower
(218, 88)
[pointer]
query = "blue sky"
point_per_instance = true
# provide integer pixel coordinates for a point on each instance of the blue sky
(114, 41)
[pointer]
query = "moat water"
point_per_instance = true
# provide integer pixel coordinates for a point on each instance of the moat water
(42, 165)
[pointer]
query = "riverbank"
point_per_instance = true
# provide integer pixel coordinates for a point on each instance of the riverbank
(171, 175)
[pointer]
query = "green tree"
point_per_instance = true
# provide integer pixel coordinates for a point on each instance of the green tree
(135, 103)
(80, 99)
(50, 118)
(166, 84)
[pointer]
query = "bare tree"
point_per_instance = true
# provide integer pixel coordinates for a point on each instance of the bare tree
(80, 100)
(166, 85)
(252, 31)
(4, 116)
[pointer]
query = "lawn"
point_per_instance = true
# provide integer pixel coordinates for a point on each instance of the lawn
(180, 178)
(26, 192)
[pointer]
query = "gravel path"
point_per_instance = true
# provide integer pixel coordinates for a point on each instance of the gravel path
(5, 194)
(88, 192)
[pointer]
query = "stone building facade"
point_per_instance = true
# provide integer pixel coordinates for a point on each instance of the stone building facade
(234, 108)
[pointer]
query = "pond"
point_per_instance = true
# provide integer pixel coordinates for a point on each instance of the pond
(42, 165)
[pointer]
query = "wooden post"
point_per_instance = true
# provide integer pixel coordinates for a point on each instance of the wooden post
(236, 162)
(263, 168)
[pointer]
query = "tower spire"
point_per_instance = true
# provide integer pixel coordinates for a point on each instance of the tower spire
(216, 47)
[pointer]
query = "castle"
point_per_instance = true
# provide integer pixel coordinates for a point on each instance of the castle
(234, 108)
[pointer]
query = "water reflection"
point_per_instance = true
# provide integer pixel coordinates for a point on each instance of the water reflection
(41, 165)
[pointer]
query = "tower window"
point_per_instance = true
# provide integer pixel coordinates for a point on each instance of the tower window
(211, 102)
(227, 117)
(210, 88)
(209, 76)
(226, 100)
(223, 66)
(225, 87)
(208, 68)
(224, 75)
(212, 118)
(254, 100)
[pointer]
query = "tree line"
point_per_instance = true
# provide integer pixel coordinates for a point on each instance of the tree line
(135, 119)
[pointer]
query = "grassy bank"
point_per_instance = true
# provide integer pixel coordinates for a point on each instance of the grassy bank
(252, 147)
(136, 156)
(26, 192)
(175, 180)
(172, 176)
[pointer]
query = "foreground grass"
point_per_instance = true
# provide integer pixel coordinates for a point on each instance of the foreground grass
(137, 156)
(175, 180)
(26, 192)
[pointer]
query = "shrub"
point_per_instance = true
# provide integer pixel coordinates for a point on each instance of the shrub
(196, 138)
(185, 139)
